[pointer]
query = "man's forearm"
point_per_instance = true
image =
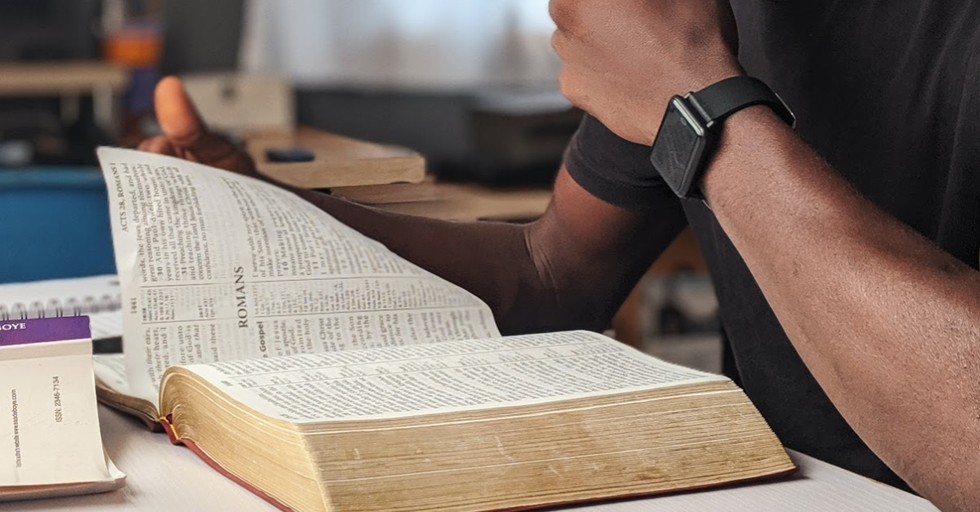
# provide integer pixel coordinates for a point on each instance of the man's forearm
(570, 269)
(887, 322)
(459, 252)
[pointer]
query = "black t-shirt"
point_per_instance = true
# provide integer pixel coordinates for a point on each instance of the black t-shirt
(889, 94)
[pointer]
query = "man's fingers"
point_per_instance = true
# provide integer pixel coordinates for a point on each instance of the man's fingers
(159, 145)
(178, 118)
(187, 133)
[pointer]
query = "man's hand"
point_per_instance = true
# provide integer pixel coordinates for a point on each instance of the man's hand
(624, 59)
(186, 136)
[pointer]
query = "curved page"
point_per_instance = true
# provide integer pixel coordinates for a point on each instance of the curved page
(217, 266)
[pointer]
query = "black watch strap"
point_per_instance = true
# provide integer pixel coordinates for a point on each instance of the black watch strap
(691, 128)
(721, 99)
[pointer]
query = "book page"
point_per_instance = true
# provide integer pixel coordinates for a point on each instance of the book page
(443, 377)
(49, 427)
(218, 266)
(110, 370)
(98, 297)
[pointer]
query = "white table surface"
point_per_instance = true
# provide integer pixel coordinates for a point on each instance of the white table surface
(164, 477)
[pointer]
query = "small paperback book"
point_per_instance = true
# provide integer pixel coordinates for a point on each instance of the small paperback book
(50, 441)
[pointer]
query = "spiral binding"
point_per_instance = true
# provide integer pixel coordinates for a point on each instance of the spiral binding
(56, 308)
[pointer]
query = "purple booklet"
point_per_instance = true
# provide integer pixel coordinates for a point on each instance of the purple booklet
(50, 416)
(21, 332)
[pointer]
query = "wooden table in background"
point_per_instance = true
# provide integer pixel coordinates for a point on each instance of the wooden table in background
(337, 161)
(69, 80)
(453, 201)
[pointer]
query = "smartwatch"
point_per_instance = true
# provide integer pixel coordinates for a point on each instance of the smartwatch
(691, 128)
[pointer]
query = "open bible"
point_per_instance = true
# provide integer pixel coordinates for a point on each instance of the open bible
(323, 372)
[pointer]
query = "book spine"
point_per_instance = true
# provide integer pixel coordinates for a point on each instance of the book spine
(37, 330)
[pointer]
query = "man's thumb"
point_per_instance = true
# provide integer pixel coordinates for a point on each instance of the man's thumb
(177, 115)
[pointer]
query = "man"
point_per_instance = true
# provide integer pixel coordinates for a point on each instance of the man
(886, 320)
(825, 259)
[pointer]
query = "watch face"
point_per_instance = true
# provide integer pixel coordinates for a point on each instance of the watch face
(678, 147)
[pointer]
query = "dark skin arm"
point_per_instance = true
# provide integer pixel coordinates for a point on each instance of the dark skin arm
(887, 322)
(572, 268)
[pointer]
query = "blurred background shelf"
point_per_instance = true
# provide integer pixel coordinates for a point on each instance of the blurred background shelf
(70, 82)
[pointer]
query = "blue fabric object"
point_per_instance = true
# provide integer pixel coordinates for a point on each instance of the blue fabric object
(55, 224)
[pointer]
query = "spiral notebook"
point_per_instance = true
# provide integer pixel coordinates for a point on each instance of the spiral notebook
(98, 297)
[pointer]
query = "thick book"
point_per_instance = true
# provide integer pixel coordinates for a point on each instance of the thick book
(323, 372)
(49, 429)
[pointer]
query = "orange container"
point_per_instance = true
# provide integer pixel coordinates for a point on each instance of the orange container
(133, 48)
